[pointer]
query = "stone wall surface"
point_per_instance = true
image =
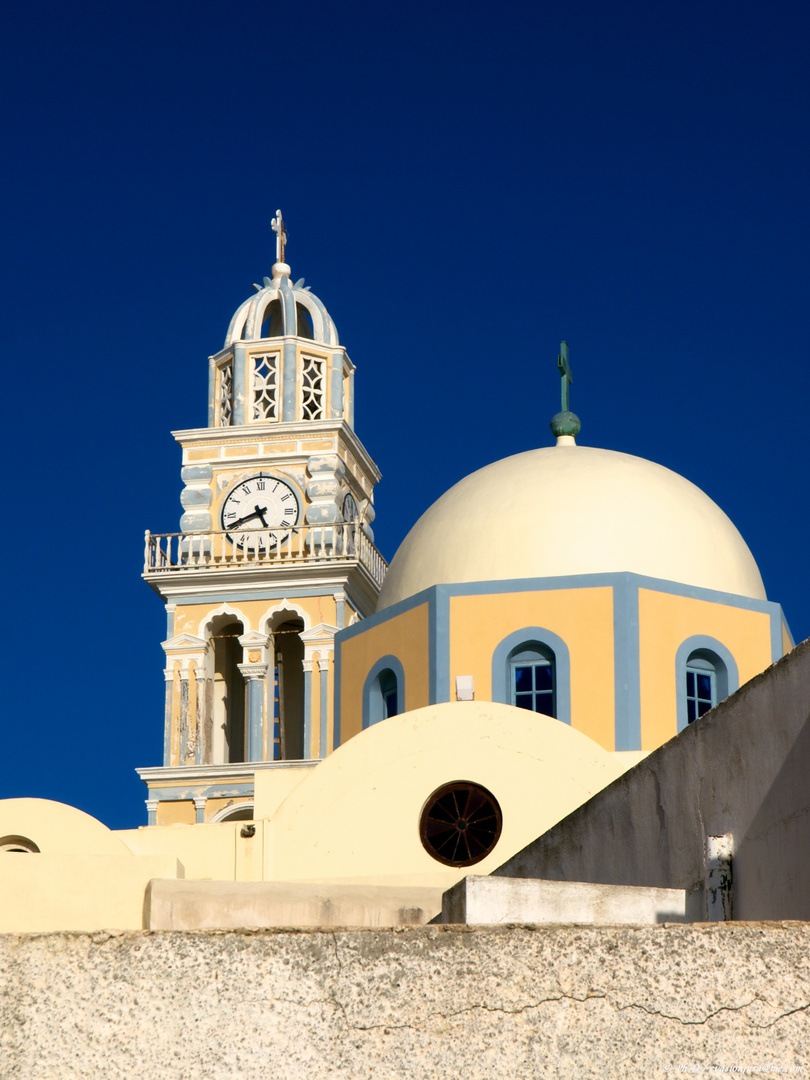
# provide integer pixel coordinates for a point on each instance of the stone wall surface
(422, 1002)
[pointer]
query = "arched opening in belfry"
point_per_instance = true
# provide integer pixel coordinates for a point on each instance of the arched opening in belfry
(228, 704)
(304, 327)
(272, 321)
(287, 708)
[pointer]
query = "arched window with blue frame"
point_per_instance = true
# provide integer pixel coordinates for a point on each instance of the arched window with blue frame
(531, 669)
(531, 678)
(706, 673)
(383, 691)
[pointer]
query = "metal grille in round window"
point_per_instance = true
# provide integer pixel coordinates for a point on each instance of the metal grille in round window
(460, 824)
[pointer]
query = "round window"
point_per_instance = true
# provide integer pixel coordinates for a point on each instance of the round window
(460, 823)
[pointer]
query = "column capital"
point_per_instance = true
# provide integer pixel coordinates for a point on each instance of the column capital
(253, 671)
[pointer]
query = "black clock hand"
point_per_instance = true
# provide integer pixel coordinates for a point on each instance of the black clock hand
(258, 512)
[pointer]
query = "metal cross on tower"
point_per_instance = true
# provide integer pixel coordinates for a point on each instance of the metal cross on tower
(565, 371)
(279, 229)
(565, 424)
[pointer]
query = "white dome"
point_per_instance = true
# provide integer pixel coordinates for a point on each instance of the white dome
(281, 309)
(573, 510)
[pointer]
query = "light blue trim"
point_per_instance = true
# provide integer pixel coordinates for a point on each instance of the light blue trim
(151, 815)
(240, 393)
(307, 714)
(324, 710)
(439, 647)
(777, 648)
(167, 724)
(288, 376)
(627, 666)
(350, 417)
(337, 386)
(340, 612)
(212, 392)
(582, 581)
(199, 791)
(372, 700)
(725, 666)
(501, 669)
(169, 623)
(200, 812)
(567, 581)
(289, 315)
(255, 719)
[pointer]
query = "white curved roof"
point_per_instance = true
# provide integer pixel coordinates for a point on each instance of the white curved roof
(247, 323)
(573, 510)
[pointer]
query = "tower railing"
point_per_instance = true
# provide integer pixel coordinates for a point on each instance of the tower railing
(340, 541)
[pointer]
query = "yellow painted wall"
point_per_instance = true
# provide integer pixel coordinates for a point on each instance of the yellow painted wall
(583, 618)
(272, 786)
(204, 851)
(42, 893)
(174, 812)
(406, 637)
(665, 621)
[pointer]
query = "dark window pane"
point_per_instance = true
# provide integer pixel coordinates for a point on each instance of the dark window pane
(524, 701)
(390, 700)
(545, 704)
(690, 683)
(703, 707)
(523, 679)
(691, 711)
(542, 677)
(704, 683)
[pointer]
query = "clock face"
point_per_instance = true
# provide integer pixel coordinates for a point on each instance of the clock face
(350, 508)
(258, 512)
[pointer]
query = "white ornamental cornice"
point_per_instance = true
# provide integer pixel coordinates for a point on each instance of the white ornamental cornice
(295, 429)
(184, 644)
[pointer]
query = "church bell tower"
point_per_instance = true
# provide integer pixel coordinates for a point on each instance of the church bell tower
(274, 555)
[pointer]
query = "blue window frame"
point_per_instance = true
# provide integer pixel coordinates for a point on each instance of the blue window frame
(533, 679)
(383, 691)
(705, 674)
(701, 687)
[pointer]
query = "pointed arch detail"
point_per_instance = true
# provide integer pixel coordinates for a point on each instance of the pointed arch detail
(223, 609)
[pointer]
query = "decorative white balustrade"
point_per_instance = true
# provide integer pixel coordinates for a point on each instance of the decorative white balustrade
(343, 541)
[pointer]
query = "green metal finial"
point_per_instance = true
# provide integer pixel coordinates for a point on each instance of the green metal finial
(565, 422)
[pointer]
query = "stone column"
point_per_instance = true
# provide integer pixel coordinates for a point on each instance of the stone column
(323, 666)
(168, 675)
(307, 709)
(254, 670)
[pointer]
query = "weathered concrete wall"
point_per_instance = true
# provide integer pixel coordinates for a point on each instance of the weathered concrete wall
(231, 905)
(741, 769)
(489, 901)
(424, 1002)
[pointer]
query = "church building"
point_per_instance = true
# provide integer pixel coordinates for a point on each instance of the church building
(333, 722)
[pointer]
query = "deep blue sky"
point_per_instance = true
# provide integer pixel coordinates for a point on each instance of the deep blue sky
(464, 184)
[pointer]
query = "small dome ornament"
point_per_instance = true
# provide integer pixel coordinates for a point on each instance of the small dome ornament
(565, 425)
